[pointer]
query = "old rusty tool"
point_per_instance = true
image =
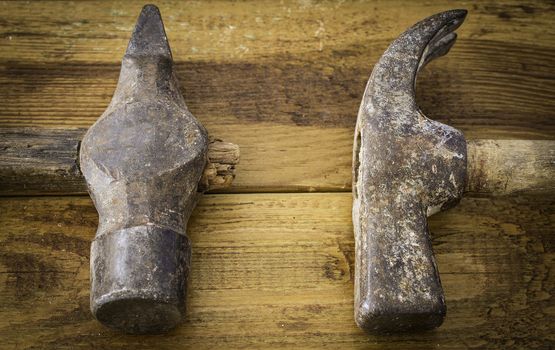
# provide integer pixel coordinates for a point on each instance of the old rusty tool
(406, 167)
(142, 161)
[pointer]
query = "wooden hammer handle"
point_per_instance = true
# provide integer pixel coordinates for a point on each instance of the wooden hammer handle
(46, 161)
(500, 167)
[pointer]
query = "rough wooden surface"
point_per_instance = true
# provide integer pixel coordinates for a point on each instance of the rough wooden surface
(36, 161)
(275, 271)
(283, 78)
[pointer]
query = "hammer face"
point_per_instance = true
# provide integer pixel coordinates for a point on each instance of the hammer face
(139, 278)
(405, 168)
(142, 161)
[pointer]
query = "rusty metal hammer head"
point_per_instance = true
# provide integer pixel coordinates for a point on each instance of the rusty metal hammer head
(142, 161)
(406, 167)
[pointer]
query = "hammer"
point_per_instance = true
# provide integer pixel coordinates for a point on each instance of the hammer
(407, 167)
(142, 161)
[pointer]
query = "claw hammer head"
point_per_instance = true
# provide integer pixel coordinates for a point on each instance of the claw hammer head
(406, 167)
(142, 161)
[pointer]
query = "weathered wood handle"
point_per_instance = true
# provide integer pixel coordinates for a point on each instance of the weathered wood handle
(38, 161)
(501, 167)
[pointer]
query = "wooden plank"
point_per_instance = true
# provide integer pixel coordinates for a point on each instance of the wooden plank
(275, 271)
(284, 80)
(215, 30)
(37, 161)
(283, 77)
(471, 88)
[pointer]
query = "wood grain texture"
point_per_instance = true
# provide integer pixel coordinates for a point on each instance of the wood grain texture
(38, 162)
(283, 80)
(275, 271)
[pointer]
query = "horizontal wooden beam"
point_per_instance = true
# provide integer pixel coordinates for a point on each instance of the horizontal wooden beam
(36, 161)
(470, 89)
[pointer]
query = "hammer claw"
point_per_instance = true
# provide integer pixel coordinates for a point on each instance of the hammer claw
(437, 48)
(392, 83)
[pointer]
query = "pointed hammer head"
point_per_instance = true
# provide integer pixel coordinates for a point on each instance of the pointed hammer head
(142, 161)
(405, 168)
